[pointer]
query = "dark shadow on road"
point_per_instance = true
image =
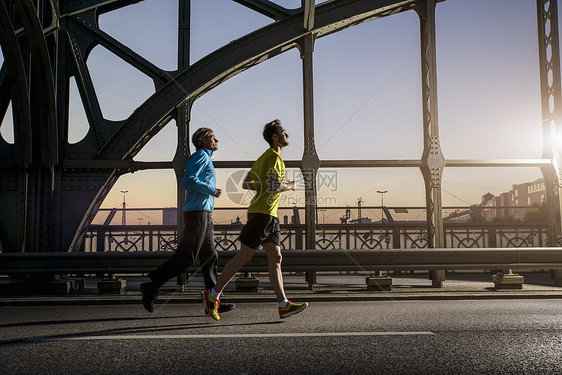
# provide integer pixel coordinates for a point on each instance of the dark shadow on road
(80, 321)
(107, 332)
(12, 342)
(122, 330)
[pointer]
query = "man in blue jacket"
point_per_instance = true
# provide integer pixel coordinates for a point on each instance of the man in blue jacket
(198, 240)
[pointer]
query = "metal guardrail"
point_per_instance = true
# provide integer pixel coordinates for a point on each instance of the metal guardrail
(294, 260)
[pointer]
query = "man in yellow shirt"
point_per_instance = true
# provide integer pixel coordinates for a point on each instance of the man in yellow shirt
(267, 178)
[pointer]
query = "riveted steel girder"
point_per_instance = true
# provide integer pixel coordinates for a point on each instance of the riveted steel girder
(310, 161)
(551, 105)
(267, 8)
(433, 161)
(26, 43)
(72, 7)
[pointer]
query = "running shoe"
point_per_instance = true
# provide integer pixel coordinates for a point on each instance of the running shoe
(211, 304)
(291, 309)
(149, 294)
(224, 307)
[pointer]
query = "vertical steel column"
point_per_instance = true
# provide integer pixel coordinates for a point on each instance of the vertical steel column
(12, 182)
(549, 61)
(433, 160)
(62, 98)
(551, 104)
(44, 137)
(184, 27)
(183, 116)
(181, 156)
(310, 161)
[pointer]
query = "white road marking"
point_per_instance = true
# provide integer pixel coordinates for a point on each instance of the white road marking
(229, 336)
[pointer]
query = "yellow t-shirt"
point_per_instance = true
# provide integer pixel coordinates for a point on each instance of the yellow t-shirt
(268, 165)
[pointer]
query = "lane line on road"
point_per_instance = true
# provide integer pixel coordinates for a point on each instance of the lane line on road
(228, 336)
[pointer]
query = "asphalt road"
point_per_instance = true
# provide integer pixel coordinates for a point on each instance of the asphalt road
(379, 337)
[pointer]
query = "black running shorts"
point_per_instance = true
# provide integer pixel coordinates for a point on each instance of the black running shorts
(259, 229)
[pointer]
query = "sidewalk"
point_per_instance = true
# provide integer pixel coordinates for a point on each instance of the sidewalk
(329, 287)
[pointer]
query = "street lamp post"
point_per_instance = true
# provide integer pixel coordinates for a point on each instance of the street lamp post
(123, 215)
(382, 192)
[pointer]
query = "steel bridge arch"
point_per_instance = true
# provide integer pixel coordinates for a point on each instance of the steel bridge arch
(234, 58)
(93, 164)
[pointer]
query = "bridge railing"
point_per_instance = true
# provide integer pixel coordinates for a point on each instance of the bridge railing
(371, 236)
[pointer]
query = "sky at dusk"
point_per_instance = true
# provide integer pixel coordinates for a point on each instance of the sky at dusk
(367, 87)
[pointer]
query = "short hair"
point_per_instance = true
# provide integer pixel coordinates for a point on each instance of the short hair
(197, 137)
(269, 129)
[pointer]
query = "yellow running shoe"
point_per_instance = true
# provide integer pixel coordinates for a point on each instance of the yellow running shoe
(291, 309)
(211, 304)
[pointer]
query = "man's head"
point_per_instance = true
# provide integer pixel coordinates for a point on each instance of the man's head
(205, 138)
(274, 133)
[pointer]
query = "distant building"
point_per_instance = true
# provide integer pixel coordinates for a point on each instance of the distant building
(169, 216)
(504, 205)
(521, 195)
